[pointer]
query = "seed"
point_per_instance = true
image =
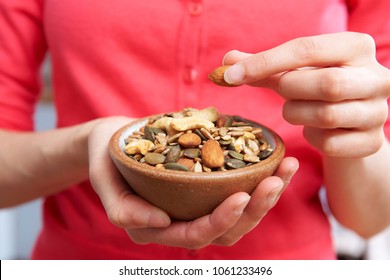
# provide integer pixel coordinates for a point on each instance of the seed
(257, 131)
(239, 123)
(223, 131)
(239, 144)
(157, 130)
(160, 166)
(206, 169)
(173, 154)
(236, 133)
(251, 158)
(154, 158)
(265, 153)
(249, 135)
(161, 138)
(221, 121)
(192, 153)
(197, 167)
(236, 155)
(235, 163)
(206, 133)
(199, 133)
(253, 146)
(248, 151)
(228, 122)
(160, 150)
(174, 137)
(175, 166)
(149, 133)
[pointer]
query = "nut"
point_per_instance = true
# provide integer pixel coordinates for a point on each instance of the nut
(189, 123)
(139, 146)
(216, 76)
(163, 123)
(198, 141)
(212, 154)
(189, 140)
(211, 114)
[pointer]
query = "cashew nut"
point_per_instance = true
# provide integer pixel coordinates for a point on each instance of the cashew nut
(210, 114)
(163, 123)
(139, 146)
(187, 123)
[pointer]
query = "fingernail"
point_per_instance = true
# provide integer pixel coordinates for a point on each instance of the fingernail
(274, 195)
(159, 219)
(235, 74)
(240, 208)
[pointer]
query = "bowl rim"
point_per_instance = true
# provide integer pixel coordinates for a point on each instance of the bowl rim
(116, 151)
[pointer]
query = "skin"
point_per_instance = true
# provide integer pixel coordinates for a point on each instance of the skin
(56, 159)
(334, 87)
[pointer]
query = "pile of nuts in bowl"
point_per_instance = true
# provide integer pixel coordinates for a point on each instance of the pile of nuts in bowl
(198, 141)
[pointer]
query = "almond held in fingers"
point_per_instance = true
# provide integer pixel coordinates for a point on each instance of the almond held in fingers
(217, 76)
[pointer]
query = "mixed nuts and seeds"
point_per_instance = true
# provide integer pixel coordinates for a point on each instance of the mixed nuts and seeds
(198, 141)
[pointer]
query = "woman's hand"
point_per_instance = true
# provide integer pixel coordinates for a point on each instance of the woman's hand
(146, 223)
(332, 84)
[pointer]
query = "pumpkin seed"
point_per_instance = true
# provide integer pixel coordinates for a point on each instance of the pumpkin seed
(235, 163)
(265, 153)
(236, 155)
(149, 133)
(191, 153)
(175, 166)
(154, 158)
(173, 154)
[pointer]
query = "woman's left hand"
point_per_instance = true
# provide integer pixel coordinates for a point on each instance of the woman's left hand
(333, 86)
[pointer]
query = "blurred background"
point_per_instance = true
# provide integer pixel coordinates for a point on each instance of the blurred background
(20, 225)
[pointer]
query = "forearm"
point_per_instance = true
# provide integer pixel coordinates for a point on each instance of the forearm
(359, 190)
(39, 164)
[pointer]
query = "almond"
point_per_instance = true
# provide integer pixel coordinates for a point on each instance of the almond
(189, 163)
(189, 140)
(212, 154)
(216, 76)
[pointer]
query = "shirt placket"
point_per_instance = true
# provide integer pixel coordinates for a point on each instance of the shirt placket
(189, 52)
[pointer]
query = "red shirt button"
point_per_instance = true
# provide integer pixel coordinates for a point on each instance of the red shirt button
(190, 74)
(195, 8)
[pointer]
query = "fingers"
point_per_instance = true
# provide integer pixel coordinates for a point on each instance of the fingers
(262, 200)
(200, 232)
(356, 114)
(339, 49)
(236, 216)
(345, 143)
(330, 84)
(124, 208)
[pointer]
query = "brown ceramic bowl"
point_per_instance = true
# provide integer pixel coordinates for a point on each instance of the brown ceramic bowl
(189, 195)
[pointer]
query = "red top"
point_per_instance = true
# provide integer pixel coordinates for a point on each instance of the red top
(137, 58)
